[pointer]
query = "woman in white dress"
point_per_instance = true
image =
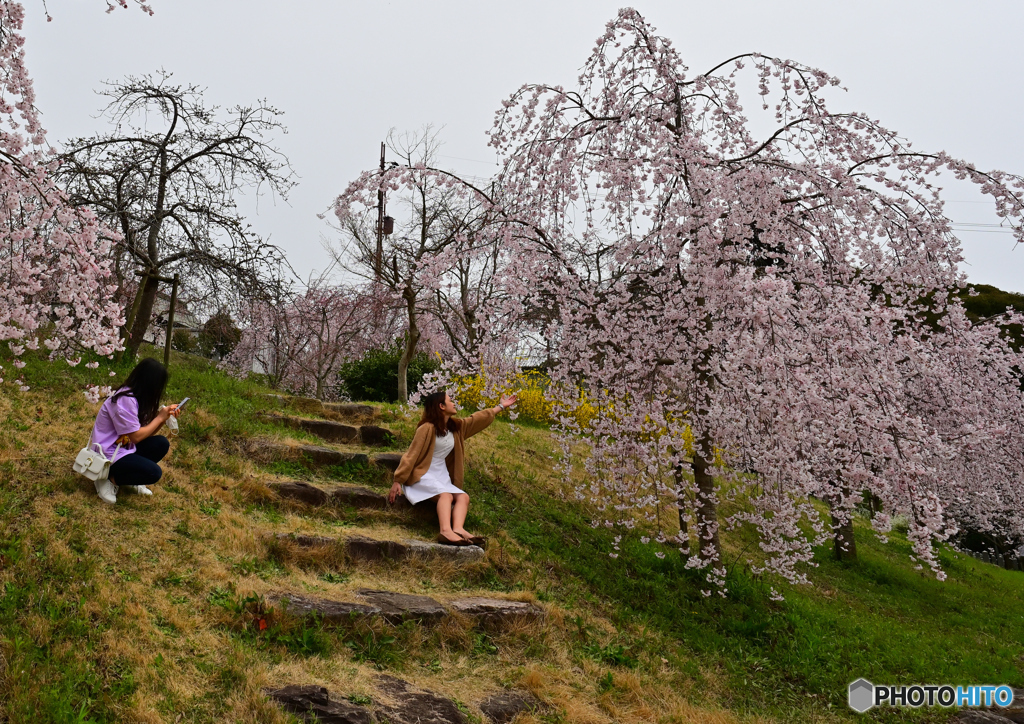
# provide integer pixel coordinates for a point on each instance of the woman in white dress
(433, 466)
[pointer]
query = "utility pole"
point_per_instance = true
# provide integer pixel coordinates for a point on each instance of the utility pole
(377, 260)
(170, 321)
(385, 224)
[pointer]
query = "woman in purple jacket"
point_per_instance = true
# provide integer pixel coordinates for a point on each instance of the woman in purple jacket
(130, 418)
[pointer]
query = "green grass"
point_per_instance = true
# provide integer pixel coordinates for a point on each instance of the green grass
(790, 660)
(877, 618)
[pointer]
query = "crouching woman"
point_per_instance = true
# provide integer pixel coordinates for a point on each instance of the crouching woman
(126, 428)
(432, 467)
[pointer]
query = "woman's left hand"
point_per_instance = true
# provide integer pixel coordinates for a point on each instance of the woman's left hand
(395, 491)
(507, 402)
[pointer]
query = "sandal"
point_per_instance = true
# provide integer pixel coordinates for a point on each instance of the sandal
(475, 540)
(446, 542)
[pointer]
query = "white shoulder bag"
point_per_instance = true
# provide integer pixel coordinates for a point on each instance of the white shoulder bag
(92, 463)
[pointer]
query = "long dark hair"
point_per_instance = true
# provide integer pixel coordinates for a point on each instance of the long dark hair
(432, 413)
(146, 384)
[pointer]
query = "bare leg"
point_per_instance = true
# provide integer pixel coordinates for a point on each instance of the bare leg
(444, 516)
(459, 514)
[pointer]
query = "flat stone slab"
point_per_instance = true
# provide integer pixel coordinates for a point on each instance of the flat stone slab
(357, 496)
(303, 492)
(972, 716)
(324, 429)
(398, 607)
(503, 707)
(370, 549)
(263, 449)
(364, 548)
(329, 430)
(375, 436)
(326, 456)
(361, 548)
(386, 460)
(415, 706)
(308, 404)
(492, 611)
(328, 610)
(400, 703)
(351, 408)
(306, 541)
(314, 704)
(457, 554)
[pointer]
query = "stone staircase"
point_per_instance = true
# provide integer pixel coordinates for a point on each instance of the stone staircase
(395, 700)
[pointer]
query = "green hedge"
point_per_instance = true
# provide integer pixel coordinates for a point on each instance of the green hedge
(374, 378)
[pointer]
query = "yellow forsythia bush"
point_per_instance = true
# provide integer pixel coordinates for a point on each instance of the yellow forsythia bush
(529, 386)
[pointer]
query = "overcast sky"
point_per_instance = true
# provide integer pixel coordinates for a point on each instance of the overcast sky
(945, 74)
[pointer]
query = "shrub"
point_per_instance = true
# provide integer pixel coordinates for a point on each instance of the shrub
(530, 387)
(183, 341)
(219, 335)
(374, 377)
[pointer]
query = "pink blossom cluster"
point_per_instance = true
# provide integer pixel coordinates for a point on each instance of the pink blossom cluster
(95, 393)
(300, 339)
(761, 322)
(56, 286)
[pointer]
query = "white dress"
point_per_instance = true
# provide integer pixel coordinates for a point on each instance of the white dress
(436, 480)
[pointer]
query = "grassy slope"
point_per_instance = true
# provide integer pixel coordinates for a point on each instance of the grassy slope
(137, 612)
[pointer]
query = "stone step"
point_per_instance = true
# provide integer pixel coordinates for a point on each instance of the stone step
(315, 455)
(310, 404)
(399, 702)
(352, 409)
(369, 435)
(353, 496)
(395, 608)
(362, 548)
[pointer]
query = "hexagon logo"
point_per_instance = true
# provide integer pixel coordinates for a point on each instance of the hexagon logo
(861, 695)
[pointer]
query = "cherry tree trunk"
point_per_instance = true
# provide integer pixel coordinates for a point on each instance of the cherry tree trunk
(706, 508)
(684, 528)
(411, 340)
(142, 317)
(845, 544)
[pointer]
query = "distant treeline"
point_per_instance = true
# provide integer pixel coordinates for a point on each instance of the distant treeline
(991, 301)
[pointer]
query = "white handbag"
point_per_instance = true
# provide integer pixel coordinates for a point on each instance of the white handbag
(92, 463)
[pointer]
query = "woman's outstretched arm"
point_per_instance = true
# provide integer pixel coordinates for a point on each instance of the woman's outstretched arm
(479, 420)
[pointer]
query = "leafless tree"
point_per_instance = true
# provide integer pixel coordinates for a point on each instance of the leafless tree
(438, 262)
(167, 178)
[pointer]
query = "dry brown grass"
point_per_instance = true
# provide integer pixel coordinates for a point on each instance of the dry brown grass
(154, 563)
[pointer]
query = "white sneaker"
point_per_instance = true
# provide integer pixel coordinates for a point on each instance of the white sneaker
(140, 489)
(106, 490)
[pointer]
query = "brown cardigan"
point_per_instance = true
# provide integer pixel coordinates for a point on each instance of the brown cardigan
(416, 461)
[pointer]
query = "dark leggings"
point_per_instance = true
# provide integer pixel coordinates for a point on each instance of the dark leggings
(140, 468)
